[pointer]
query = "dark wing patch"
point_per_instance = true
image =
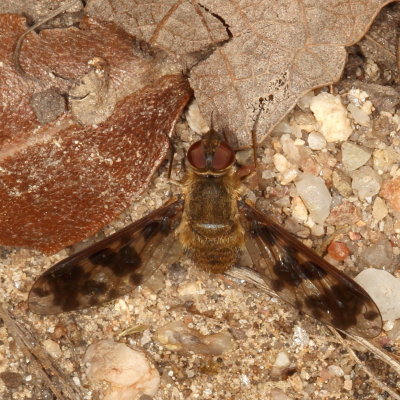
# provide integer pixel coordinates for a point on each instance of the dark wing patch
(111, 267)
(305, 280)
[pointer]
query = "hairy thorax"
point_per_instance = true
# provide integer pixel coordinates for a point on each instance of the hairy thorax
(210, 231)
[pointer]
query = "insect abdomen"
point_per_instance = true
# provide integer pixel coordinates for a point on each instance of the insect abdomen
(214, 259)
(210, 231)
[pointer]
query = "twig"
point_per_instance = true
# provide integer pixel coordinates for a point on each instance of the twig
(377, 352)
(18, 45)
(250, 276)
(56, 380)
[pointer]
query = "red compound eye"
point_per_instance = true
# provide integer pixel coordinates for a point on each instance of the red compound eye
(223, 157)
(196, 155)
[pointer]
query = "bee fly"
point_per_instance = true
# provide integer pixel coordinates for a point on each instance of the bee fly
(213, 224)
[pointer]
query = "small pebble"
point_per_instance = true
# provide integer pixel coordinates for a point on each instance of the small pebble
(345, 213)
(388, 326)
(359, 115)
(287, 172)
(383, 159)
(129, 371)
(195, 119)
(335, 370)
(315, 196)
(299, 142)
(391, 192)
(297, 383)
(304, 102)
(354, 156)
(300, 337)
(278, 394)
(366, 182)
(177, 272)
(354, 236)
(282, 362)
(59, 331)
(76, 381)
(311, 166)
(342, 183)
(281, 163)
(348, 384)
(305, 121)
(332, 115)
(52, 348)
(176, 336)
(372, 69)
(379, 209)
(394, 333)
(245, 380)
(290, 150)
(12, 380)
(357, 96)
(338, 251)
(384, 289)
(244, 157)
(191, 289)
(268, 174)
(378, 255)
(325, 374)
(316, 141)
(299, 210)
(317, 230)
(288, 176)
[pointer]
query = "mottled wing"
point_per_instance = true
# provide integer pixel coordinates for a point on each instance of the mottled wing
(111, 267)
(305, 280)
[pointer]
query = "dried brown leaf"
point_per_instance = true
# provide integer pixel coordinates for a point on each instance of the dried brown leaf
(266, 54)
(178, 27)
(279, 51)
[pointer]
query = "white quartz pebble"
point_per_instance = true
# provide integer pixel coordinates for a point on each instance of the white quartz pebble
(195, 119)
(52, 348)
(281, 163)
(316, 141)
(384, 289)
(304, 102)
(282, 362)
(332, 117)
(359, 115)
(315, 196)
(290, 149)
(366, 182)
(129, 371)
(354, 156)
(379, 209)
(287, 172)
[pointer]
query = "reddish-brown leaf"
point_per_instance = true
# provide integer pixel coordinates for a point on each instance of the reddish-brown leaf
(62, 181)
